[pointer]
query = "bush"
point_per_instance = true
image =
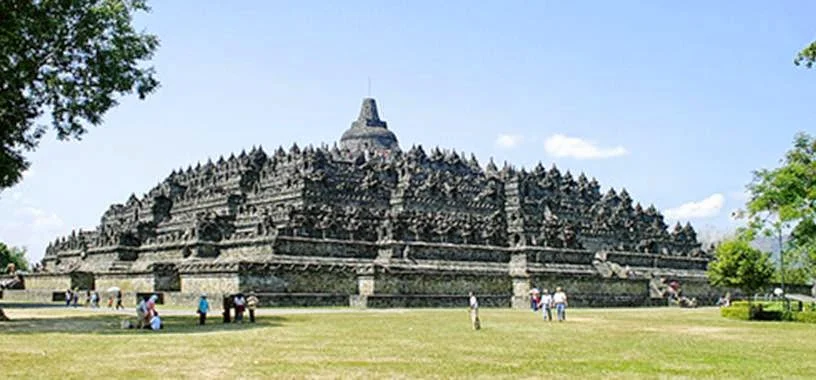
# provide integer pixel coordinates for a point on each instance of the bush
(805, 316)
(737, 310)
(765, 311)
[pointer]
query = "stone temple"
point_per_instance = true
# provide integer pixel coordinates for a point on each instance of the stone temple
(368, 224)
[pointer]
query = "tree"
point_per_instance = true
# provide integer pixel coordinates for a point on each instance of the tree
(806, 57)
(784, 199)
(12, 255)
(71, 58)
(738, 265)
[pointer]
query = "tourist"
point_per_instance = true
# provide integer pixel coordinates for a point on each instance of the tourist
(203, 308)
(110, 302)
(474, 312)
(240, 304)
(151, 306)
(725, 300)
(119, 300)
(546, 305)
(156, 322)
(141, 314)
(68, 297)
(88, 300)
(534, 299)
(252, 303)
(94, 300)
(75, 298)
(560, 301)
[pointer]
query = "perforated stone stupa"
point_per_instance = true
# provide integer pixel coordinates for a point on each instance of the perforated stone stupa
(369, 224)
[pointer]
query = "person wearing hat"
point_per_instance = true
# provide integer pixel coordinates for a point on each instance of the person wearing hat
(252, 303)
(203, 308)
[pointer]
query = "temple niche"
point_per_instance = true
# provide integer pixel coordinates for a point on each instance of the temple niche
(364, 208)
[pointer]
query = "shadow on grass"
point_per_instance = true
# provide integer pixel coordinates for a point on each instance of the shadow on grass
(111, 325)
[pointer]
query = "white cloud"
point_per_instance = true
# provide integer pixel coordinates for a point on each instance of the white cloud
(39, 218)
(28, 225)
(705, 208)
(565, 146)
(508, 141)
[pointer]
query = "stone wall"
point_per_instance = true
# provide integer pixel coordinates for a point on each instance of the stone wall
(28, 295)
(298, 280)
(593, 291)
(211, 283)
(451, 252)
(48, 281)
(296, 246)
(558, 256)
(433, 301)
(442, 283)
(134, 282)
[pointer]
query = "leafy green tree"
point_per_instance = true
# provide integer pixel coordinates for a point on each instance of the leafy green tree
(70, 58)
(784, 199)
(738, 265)
(12, 255)
(806, 57)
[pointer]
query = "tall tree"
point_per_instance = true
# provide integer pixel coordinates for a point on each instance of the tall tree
(738, 265)
(806, 57)
(12, 255)
(784, 199)
(70, 58)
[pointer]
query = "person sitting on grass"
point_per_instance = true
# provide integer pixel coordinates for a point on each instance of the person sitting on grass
(156, 322)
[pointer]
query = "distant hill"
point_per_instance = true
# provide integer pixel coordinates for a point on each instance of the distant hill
(770, 244)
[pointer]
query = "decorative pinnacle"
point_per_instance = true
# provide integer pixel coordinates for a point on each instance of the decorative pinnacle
(369, 117)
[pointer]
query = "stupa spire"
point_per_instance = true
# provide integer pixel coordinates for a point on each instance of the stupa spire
(369, 116)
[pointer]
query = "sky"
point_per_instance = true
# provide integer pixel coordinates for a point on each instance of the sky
(676, 101)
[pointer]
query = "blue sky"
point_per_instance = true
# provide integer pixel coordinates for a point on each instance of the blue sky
(678, 102)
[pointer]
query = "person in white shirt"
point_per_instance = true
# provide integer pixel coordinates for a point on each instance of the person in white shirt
(474, 312)
(560, 301)
(546, 305)
(240, 303)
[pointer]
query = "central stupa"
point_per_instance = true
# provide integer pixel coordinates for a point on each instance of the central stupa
(368, 132)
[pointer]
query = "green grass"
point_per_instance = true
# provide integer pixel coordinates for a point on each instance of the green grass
(612, 343)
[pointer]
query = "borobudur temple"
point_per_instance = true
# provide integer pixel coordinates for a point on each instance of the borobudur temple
(364, 223)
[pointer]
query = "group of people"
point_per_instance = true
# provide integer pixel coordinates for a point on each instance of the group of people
(544, 301)
(92, 298)
(237, 301)
(147, 315)
(539, 300)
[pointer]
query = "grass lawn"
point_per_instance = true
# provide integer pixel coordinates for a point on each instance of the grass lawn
(593, 343)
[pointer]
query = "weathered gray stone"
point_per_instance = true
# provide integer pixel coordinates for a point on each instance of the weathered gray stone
(312, 225)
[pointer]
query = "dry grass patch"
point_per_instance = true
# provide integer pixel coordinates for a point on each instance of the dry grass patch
(612, 343)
